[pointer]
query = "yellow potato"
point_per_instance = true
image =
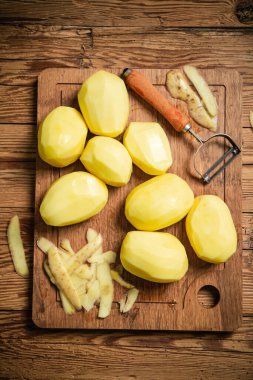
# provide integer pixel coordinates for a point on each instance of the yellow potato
(154, 256)
(104, 102)
(149, 147)
(210, 229)
(108, 160)
(62, 136)
(158, 202)
(73, 198)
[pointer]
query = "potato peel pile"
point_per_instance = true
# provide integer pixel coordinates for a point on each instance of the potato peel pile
(84, 279)
(202, 104)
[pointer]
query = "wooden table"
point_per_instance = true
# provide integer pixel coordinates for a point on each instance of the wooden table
(35, 35)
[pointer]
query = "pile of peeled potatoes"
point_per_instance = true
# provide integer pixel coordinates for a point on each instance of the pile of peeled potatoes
(151, 206)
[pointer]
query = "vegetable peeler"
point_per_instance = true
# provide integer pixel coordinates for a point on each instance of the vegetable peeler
(180, 122)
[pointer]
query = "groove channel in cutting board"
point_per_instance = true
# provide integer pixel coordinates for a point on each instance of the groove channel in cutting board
(160, 306)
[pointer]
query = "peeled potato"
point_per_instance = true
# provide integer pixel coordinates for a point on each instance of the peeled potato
(149, 147)
(62, 136)
(73, 198)
(158, 202)
(104, 102)
(154, 256)
(108, 160)
(210, 229)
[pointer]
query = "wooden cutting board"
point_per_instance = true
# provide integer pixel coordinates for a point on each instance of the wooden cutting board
(177, 306)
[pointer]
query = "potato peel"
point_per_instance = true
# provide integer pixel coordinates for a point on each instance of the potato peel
(129, 300)
(66, 304)
(16, 247)
(202, 88)
(62, 277)
(116, 277)
(106, 289)
(83, 254)
(178, 86)
(65, 244)
(83, 285)
(92, 295)
(91, 235)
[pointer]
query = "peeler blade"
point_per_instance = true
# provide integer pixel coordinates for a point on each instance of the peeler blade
(221, 163)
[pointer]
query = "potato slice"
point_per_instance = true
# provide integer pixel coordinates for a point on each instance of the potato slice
(62, 277)
(202, 88)
(67, 306)
(128, 301)
(251, 118)
(65, 244)
(180, 89)
(92, 295)
(116, 277)
(106, 289)
(16, 247)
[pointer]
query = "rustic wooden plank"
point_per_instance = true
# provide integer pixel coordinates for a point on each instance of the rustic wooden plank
(16, 291)
(118, 362)
(178, 13)
(46, 42)
(25, 72)
(17, 184)
(17, 142)
(160, 46)
(18, 325)
(118, 47)
(247, 145)
(247, 233)
(17, 104)
(247, 186)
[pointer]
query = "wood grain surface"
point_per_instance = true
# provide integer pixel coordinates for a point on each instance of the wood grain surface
(161, 306)
(208, 34)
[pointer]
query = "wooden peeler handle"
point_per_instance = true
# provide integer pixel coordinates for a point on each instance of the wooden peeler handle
(137, 82)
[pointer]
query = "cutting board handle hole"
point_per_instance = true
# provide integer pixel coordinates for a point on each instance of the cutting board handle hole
(208, 296)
